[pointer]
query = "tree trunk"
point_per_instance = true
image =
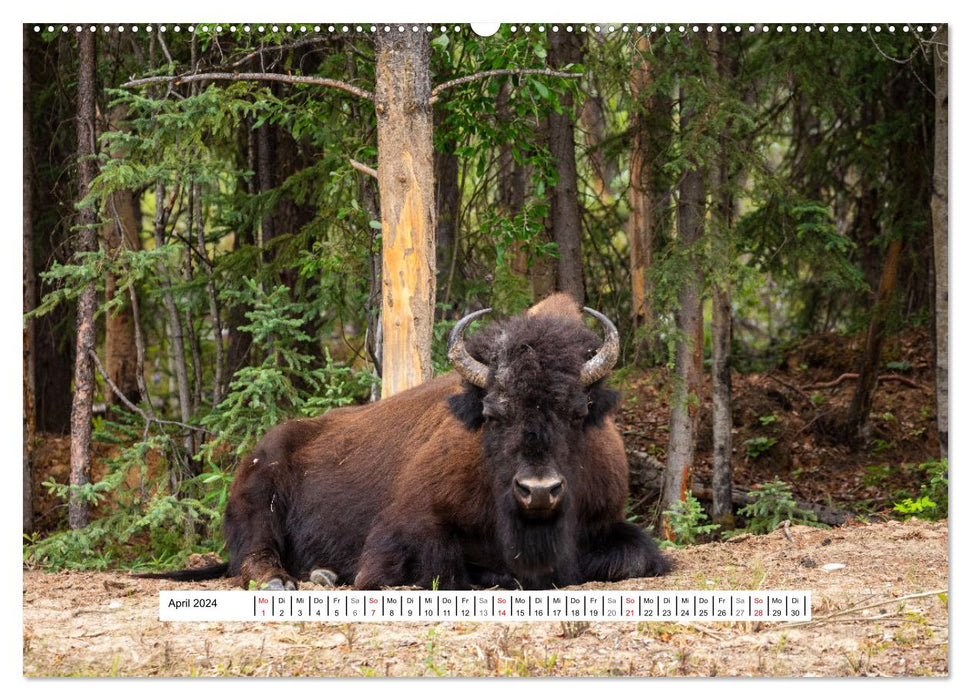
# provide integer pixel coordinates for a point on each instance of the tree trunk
(688, 348)
(407, 192)
(603, 165)
(721, 312)
(940, 224)
(176, 338)
(447, 199)
(120, 233)
(859, 415)
(565, 229)
(30, 300)
(721, 395)
(88, 301)
(640, 222)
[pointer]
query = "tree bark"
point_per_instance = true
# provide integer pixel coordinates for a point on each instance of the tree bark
(565, 229)
(688, 348)
(87, 303)
(858, 420)
(407, 191)
(603, 166)
(30, 300)
(447, 200)
(640, 222)
(721, 311)
(940, 224)
(120, 233)
(721, 395)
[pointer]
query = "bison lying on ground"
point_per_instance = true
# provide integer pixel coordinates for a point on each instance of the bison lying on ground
(509, 472)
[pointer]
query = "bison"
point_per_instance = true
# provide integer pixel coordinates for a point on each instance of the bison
(509, 471)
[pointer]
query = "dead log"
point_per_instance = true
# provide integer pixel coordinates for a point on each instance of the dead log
(647, 474)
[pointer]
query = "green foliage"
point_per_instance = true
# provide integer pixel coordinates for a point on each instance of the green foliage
(758, 446)
(688, 522)
(287, 382)
(931, 503)
(773, 504)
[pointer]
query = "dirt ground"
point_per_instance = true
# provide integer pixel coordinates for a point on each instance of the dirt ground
(884, 613)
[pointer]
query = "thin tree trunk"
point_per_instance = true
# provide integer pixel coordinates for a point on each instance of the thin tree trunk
(940, 224)
(87, 303)
(721, 311)
(264, 172)
(447, 199)
(512, 184)
(640, 222)
(604, 167)
(30, 300)
(176, 338)
(217, 328)
(688, 348)
(565, 228)
(189, 327)
(407, 191)
(859, 413)
(721, 395)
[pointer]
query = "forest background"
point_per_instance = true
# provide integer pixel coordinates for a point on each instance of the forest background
(746, 201)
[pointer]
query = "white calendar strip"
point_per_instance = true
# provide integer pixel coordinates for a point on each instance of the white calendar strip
(486, 606)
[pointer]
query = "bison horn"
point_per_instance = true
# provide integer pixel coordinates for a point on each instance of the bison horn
(473, 371)
(601, 363)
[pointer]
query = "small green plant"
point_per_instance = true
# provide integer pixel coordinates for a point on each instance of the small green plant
(899, 366)
(931, 503)
(876, 474)
(768, 420)
(687, 521)
(818, 399)
(879, 446)
(758, 446)
(774, 503)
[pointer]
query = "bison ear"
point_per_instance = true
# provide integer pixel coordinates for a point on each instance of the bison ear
(601, 402)
(467, 406)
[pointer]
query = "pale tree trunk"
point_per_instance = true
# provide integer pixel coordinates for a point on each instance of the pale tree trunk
(407, 192)
(940, 223)
(685, 397)
(565, 229)
(30, 301)
(87, 303)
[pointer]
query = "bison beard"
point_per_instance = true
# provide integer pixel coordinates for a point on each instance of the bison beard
(508, 472)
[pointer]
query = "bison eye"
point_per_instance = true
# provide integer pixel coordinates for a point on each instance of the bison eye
(493, 408)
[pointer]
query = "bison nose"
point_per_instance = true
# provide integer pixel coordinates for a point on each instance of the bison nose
(539, 494)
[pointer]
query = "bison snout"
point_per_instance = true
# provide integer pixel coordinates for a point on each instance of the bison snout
(539, 496)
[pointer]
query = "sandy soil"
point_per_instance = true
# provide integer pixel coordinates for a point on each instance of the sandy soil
(884, 613)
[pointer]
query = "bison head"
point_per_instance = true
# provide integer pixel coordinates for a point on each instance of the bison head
(534, 385)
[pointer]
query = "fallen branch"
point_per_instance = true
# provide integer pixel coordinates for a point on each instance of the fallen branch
(887, 601)
(260, 77)
(794, 388)
(854, 375)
